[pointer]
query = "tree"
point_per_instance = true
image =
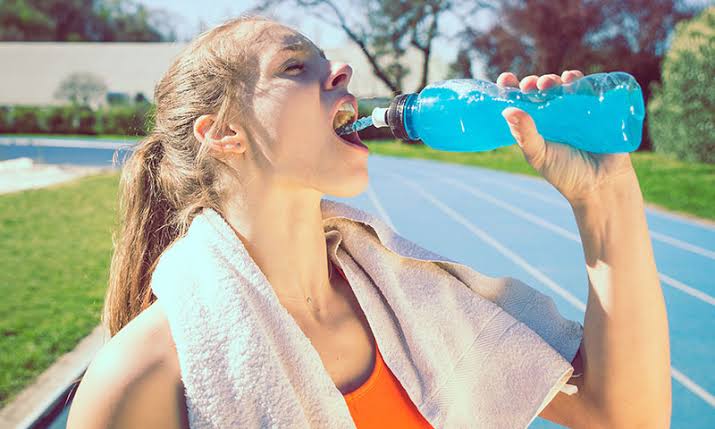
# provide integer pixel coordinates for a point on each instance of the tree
(83, 20)
(81, 88)
(549, 36)
(383, 30)
(681, 114)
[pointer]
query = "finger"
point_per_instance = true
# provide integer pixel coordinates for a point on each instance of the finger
(524, 130)
(528, 83)
(571, 75)
(547, 81)
(507, 79)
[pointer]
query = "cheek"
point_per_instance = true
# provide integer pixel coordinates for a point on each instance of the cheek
(300, 117)
(298, 128)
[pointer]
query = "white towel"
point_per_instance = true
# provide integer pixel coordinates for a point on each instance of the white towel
(471, 351)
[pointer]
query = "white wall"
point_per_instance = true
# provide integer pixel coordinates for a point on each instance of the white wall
(31, 72)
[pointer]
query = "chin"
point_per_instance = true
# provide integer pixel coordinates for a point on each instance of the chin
(350, 187)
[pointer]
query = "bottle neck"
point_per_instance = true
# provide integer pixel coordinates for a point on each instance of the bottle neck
(400, 116)
(408, 117)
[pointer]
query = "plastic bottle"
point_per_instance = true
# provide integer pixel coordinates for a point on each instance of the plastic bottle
(601, 112)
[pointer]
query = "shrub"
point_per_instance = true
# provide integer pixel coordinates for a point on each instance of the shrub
(4, 119)
(26, 119)
(681, 113)
(128, 119)
(59, 120)
(85, 120)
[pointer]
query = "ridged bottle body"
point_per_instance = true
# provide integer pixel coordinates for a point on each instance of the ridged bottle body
(601, 113)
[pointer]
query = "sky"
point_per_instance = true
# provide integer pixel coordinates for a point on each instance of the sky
(190, 12)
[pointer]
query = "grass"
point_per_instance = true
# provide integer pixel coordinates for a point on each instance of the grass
(683, 187)
(54, 267)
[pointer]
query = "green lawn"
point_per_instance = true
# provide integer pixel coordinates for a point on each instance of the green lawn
(54, 260)
(56, 249)
(666, 182)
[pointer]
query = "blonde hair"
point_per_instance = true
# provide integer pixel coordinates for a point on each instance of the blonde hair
(169, 178)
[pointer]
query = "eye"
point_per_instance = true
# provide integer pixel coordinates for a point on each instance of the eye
(295, 68)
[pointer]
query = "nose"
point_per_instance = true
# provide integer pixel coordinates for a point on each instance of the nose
(340, 75)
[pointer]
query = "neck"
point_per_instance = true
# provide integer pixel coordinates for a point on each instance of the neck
(282, 230)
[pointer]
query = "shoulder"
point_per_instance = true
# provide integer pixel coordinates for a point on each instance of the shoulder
(134, 380)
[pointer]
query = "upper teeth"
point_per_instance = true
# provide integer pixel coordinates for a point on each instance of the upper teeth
(346, 113)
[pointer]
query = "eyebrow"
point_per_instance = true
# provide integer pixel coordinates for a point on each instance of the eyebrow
(301, 47)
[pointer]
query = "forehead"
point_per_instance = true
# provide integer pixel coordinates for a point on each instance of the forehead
(271, 39)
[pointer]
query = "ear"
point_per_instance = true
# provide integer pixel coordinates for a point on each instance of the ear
(232, 142)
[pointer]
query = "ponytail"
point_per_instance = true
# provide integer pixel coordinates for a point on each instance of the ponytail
(145, 230)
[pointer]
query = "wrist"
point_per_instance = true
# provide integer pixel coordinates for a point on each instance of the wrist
(609, 218)
(622, 188)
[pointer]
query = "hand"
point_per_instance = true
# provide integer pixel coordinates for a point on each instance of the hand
(573, 172)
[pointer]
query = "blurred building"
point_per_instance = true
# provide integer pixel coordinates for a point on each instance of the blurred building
(30, 73)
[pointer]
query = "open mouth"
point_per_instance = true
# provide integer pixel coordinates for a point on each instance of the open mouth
(344, 115)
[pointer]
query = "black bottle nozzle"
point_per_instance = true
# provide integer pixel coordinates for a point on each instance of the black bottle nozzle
(393, 116)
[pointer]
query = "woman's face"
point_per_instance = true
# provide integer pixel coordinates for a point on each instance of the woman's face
(296, 99)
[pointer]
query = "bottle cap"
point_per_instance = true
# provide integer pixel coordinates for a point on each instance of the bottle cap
(396, 116)
(379, 117)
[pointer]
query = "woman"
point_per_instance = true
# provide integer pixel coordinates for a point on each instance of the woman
(244, 129)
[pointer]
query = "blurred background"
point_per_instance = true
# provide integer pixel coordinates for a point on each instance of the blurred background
(76, 89)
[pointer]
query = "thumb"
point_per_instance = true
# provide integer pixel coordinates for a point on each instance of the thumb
(524, 130)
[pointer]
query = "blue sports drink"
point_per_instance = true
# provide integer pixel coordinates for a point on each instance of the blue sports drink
(601, 112)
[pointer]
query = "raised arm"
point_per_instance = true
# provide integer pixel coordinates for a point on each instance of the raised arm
(626, 347)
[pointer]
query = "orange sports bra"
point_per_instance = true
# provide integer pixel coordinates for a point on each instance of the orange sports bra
(382, 401)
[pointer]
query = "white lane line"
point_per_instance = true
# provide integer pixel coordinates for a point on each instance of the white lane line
(564, 233)
(687, 289)
(692, 386)
(682, 244)
(563, 203)
(695, 293)
(568, 296)
(552, 200)
(380, 209)
(686, 221)
(677, 374)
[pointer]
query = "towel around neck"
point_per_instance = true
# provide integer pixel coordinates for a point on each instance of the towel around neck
(469, 349)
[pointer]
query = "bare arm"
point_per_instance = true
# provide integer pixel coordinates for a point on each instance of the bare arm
(626, 343)
(625, 347)
(134, 381)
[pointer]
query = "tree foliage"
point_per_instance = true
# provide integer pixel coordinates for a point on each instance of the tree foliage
(83, 20)
(682, 109)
